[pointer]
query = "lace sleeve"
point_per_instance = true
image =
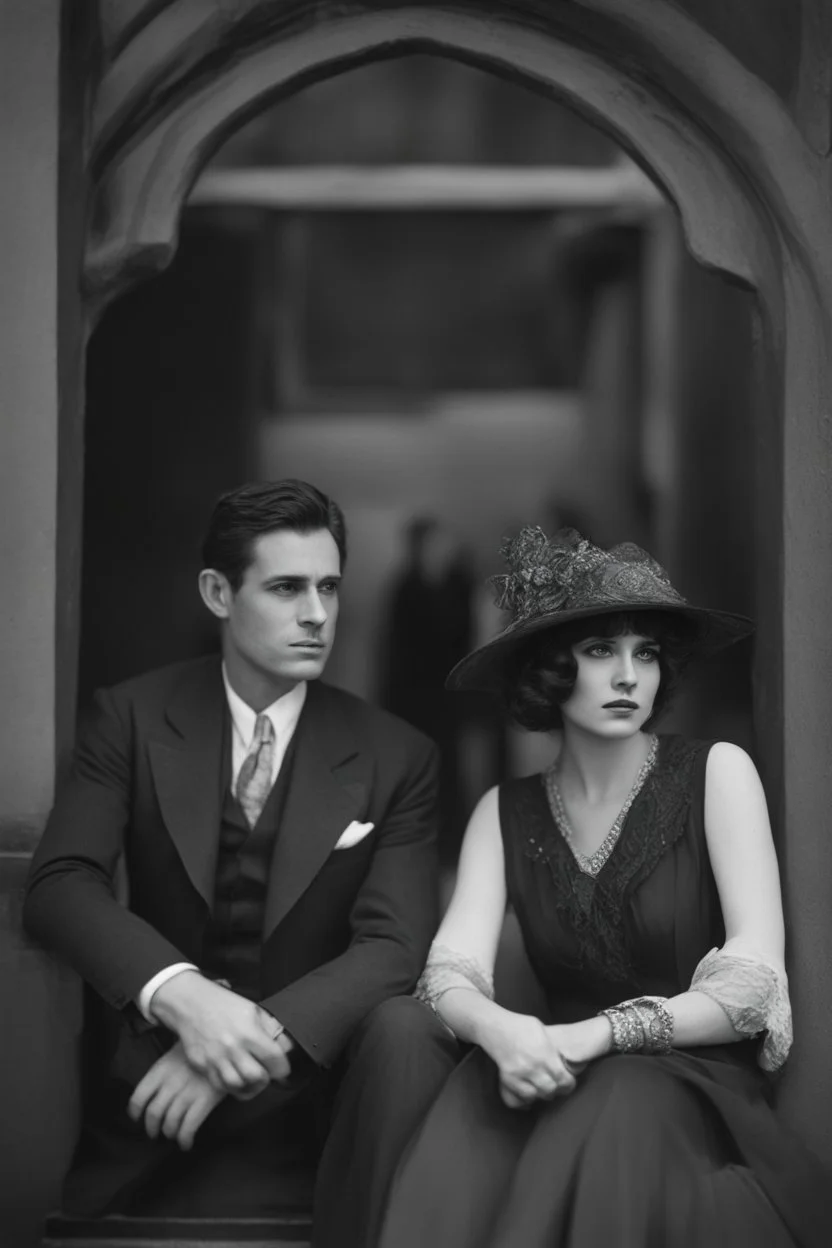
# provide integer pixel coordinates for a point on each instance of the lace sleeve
(446, 969)
(755, 997)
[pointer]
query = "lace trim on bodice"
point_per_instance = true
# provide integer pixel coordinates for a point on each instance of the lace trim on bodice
(593, 907)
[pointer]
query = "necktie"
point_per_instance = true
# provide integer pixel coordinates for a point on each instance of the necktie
(255, 779)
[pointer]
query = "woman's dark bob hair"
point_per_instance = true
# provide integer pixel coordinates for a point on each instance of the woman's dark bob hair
(542, 675)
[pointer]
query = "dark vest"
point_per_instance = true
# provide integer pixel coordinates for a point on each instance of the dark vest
(234, 937)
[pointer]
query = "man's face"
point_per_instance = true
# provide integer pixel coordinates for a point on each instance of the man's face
(281, 621)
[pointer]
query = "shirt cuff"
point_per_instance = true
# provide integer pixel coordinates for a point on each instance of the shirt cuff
(145, 996)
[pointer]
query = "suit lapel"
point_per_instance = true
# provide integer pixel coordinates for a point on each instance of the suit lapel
(187, 772)
(326, 792)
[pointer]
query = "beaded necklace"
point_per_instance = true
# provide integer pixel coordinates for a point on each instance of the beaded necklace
(591, 864)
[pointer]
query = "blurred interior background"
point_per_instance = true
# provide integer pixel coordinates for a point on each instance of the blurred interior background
(458, 307)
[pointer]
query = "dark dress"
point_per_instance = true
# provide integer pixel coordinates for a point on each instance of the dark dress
(648, 1152)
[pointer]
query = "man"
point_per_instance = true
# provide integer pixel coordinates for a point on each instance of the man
(277, 835)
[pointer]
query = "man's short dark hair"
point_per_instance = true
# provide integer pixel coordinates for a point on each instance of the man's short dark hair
(544, 671)
(241, 516)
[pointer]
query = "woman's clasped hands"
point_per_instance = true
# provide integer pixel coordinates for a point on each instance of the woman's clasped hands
(536, 1062)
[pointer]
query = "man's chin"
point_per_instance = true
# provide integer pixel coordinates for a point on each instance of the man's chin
(306, 665)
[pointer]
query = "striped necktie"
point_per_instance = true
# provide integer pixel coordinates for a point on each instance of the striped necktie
(254, 782)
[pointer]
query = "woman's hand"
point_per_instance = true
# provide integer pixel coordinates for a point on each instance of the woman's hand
(583, 1042)
(529, 1059)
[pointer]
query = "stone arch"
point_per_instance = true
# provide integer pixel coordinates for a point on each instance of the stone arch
(158, 119)
(751, 189)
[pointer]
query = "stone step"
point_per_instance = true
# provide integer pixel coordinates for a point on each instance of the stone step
(123, 1232)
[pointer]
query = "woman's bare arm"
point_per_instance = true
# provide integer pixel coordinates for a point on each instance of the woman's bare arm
(524, 1050)
(741, 851)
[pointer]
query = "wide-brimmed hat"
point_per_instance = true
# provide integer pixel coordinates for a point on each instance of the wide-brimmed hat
(553, 580)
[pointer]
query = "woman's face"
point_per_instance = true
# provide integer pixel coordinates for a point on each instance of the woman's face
(616, 685)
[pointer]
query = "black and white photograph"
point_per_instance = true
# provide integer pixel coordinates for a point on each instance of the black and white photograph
(416, 549)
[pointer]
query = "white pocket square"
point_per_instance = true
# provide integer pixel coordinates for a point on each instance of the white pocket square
(353, 833)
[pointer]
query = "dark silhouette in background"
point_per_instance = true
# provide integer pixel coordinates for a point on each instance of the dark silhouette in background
(427, 628)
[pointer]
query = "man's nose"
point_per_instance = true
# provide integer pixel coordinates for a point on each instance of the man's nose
(313, 611)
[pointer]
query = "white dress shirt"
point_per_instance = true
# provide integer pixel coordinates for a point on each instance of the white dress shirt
(284, 714)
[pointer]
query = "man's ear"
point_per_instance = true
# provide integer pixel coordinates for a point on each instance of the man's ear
(216, 592)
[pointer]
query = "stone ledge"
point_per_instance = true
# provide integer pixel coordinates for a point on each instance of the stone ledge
(293, 1227)
(20, 836)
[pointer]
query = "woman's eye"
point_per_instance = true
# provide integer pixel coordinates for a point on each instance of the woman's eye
(648, 655)
(598, 651)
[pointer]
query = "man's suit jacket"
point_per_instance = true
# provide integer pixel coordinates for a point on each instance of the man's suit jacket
(344, 929)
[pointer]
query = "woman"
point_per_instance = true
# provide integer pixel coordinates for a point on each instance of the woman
(643, 875)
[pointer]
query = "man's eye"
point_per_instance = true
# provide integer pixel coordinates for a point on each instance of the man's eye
(329, 587)
(283, 587)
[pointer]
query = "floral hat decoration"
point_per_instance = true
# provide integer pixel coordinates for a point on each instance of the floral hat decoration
(553, 580)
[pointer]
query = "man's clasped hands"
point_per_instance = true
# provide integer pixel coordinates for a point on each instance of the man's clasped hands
(227, 1046)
